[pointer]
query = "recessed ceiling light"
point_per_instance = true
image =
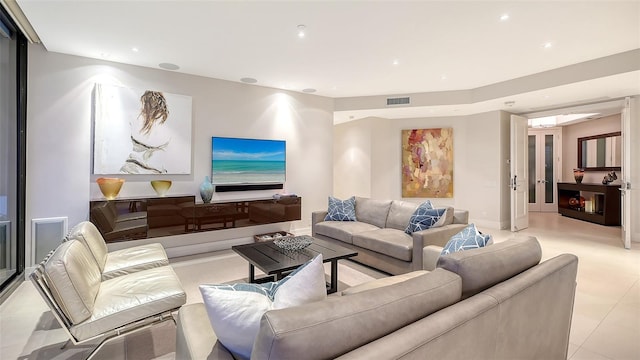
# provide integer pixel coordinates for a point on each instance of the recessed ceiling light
(301, 29)
(135, 49)
(443, 77)
(547, 45)
(248, 80)
(169, 66)
(396, 62)
(504, 17)
(309, 90)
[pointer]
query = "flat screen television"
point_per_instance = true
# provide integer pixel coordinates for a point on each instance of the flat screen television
(247, 161)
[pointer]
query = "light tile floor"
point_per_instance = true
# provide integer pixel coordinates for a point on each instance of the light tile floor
(606, 318)
(606, 315)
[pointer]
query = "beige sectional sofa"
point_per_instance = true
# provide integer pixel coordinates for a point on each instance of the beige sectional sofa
(378, 234)
(477, 304)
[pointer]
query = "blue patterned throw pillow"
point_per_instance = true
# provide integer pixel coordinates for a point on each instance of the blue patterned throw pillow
(467, 239)
(427, 204)
(341, 210)
(425, 217)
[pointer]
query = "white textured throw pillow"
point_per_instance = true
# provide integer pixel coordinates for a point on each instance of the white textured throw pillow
(235, 310)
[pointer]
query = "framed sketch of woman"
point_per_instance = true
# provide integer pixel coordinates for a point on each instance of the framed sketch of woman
(141, 132)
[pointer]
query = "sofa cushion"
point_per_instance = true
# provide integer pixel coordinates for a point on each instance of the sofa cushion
(399, 214)
(372, 211)
(89, 235)
(467, 239)
(341, 210)
(74, 279)
(342, 230)
(391, 242)
(425, 218)
(134, 259)
(382, 282)
(484, 267)
(235, 310)
(327, 329)
(129, 298)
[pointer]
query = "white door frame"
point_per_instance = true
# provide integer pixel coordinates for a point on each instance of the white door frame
(625, 173)
(519, 173)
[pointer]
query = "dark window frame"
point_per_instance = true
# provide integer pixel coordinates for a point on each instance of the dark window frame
(21, 160)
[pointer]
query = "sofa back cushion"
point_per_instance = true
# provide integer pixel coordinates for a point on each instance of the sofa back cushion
(399, 214)
(73, 278)
(482, 268)
(337, 325)
(372, 211)
(448, 216)
(89, 236)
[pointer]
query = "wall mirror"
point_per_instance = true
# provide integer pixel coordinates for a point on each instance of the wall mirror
(600, 152)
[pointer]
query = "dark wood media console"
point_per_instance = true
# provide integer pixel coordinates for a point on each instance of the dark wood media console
(605, 202)
(147, 217)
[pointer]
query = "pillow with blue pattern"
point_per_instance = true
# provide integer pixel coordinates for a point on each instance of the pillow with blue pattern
(341, 210)
(235, 310)
(468, 238)
(425, 217)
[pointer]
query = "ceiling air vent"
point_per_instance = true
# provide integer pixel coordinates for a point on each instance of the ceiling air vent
(398, 101)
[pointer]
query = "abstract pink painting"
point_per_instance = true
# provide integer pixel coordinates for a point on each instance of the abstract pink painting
(427, 163)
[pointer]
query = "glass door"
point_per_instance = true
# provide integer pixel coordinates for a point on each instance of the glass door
(544, 169)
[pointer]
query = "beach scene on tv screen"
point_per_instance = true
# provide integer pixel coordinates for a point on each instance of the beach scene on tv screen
(247, 161)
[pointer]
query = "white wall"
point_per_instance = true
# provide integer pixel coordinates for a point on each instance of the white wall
(59, 147)
(368, 159)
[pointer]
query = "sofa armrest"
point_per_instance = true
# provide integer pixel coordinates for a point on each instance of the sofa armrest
(435, 236)
(195, 338)
(316, 217)
(461, 216)
(430, 256)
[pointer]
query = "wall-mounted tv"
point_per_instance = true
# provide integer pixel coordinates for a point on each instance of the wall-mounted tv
(247, 161)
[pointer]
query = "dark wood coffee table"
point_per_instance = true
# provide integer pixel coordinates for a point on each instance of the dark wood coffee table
(276, 263)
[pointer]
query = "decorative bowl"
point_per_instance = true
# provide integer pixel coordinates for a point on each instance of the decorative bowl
(110, 187)
(293, 243)
(161, 186)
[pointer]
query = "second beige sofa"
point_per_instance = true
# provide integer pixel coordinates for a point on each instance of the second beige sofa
(378, 234)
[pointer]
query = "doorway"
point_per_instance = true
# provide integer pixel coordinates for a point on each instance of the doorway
(545, 164)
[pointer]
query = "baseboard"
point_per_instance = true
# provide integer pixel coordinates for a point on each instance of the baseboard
(487, 224)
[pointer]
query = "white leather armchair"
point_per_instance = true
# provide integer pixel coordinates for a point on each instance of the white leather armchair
(90, 307)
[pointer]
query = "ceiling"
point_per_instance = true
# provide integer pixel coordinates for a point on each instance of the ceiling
(358, 48)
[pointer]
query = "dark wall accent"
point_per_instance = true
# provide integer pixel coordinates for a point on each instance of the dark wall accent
(248, 187)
